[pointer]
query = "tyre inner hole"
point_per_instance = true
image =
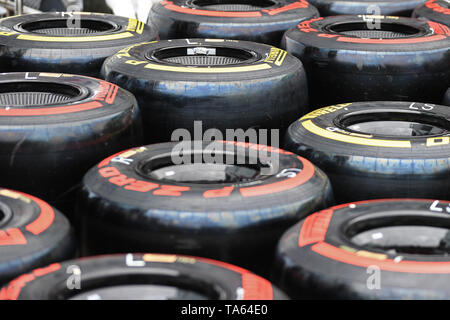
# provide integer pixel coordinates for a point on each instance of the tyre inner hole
(65, 27)
(402, 235)
(233, 5)
(161, 284)
(140, 292)
(5, 214)
(202, 56)
(371, 31)
(395, 124)
(27, 94)
(197, 170)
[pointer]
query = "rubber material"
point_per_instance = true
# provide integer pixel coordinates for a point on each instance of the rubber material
(343, 68)
(264, 24)
(434, 10)
(45, 149)
(125, 206)
(28, 42)
(32, 234)
(213, 279)
(385, 7)
(364, 165)
(266, 90)
(447, 98)
(317, 259)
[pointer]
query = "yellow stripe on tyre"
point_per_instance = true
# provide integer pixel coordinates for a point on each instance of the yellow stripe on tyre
(311, 127)
(256, 67)
(116, 36)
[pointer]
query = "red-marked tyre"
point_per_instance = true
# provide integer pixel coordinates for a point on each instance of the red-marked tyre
(56, 126)
(32, 234)
(205, 204)
(66, 42)
(262, 21)
(141, 277)
(382, 249)
(372, 58)
(389, 7)
(434, 10)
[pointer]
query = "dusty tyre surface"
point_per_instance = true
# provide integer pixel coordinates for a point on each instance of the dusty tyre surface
(434, 10)
(56, 126)
(225, 84)
(380, 249)
(32, 234)
(65, 42)
(347, 59)
(374, 150)
(389, 7)
(141, 277)
(143, 199)
(262, 21)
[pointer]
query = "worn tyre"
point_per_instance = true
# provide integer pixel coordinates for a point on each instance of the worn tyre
(56, 126)
(226, 84)
(376, 150)
(389, 7)
(32, 234)
(348, 60)
(140, 199)
(434, 10)
(142, 277)
(262, 21)
(381, 249)
(66, 43)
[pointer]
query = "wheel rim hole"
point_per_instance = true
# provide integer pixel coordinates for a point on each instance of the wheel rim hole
(196, 170)
(395, 124)
(371, 30)
(233, 5)
(202, 56)
(25, 94)
(404, 235)
(65, 27)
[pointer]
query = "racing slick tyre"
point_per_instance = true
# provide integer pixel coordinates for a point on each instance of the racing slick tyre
(57, 126)
(201, 204)
(225, 84)
(141, 277)
(373, 150)
(385, 7)
(380, 249)
(76, 43)
(349, 59)
(434, 10)
(447, 98)
(262, 21)
(32, 234)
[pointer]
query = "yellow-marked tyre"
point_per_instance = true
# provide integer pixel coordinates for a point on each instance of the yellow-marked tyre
(76, 43)
(378, 149)
(226, 84)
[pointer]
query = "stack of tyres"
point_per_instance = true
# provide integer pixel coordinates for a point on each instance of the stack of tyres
(434, 10)
(141, 277)
(56, 126)
(378, 150)
(75, 43)
(225, 84)
(350, 59)
(262, 21)
(375, 7)
(142, 199)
